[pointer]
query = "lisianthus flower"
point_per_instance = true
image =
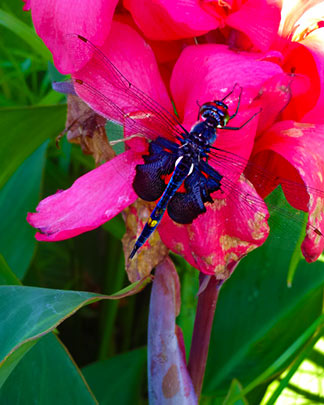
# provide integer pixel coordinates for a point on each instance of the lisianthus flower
(216, 240)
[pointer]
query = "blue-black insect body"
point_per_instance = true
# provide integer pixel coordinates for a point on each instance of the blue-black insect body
(188, 161)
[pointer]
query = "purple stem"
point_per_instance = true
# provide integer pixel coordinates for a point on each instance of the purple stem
(207, 300)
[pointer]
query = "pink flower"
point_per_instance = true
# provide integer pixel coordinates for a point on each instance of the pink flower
(216, 240)
(213, 243)
(166, 19)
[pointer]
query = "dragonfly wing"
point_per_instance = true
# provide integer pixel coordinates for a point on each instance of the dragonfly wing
(136, 110)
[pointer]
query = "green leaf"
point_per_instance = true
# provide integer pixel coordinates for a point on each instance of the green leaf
(37, 311)
(17, 240)
(34, 312)
(7, 276)
(292, 370)
(131, 289)
(23, 130)
(46, 375)
(258, 318)
(25, 33)
(13, 359)
(119, 378)
(234, 391)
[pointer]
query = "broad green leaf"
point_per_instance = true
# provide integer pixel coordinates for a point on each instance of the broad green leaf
(258, 317)
(36, 311)
(132, 289)
(13, 359)
(23, 130)
(25, 33)
(28, 313)
(117, 379)
(17, 240)
(7, 276)
(46, 375)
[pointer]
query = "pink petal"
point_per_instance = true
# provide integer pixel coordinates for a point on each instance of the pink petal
(208, 72)
(218, 239)
(300, 60)
(275, 94)
(294, 151)
(167, 19)
(259, 20)
(134, 58)
(315, 44)
(92, 200)
(168, 378)
(54, 19)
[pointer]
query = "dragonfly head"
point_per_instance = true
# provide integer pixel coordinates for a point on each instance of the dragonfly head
(215, 112)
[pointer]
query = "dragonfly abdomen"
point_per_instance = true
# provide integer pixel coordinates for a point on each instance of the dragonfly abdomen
(183, 168)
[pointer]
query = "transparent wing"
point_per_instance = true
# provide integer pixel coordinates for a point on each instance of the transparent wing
(232, 166)
(136, 111)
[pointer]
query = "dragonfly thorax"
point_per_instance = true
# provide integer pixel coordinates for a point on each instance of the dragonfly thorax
(203, 133)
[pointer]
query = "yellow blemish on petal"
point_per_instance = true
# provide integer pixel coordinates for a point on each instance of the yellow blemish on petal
(231, 256)
(317, 214)
(191, 233)
(298, 130)
(178, 247)
(320, 176)
(208, 259)
(316, 217)
(221, 272)
(258, 226)
(229, 242)
(218, 204)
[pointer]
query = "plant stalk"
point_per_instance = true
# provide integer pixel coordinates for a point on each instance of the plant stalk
(207, 300)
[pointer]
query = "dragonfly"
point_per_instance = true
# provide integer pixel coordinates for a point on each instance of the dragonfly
(183, 169)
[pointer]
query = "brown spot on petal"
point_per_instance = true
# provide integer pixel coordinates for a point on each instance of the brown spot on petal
(316, 217)
(191, 233)
(229, 242)
(258, 226)
(178, 247)
(218, 204)
(171, 383)
(298, 130)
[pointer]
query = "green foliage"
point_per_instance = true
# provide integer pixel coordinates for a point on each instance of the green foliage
(32, 379)
(262, 327)
(125, 370)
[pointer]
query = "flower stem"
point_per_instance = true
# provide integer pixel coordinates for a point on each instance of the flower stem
(207, 300)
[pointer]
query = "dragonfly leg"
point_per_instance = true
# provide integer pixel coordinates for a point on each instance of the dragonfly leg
(238, 103)
(243, 125)
(227, 95)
